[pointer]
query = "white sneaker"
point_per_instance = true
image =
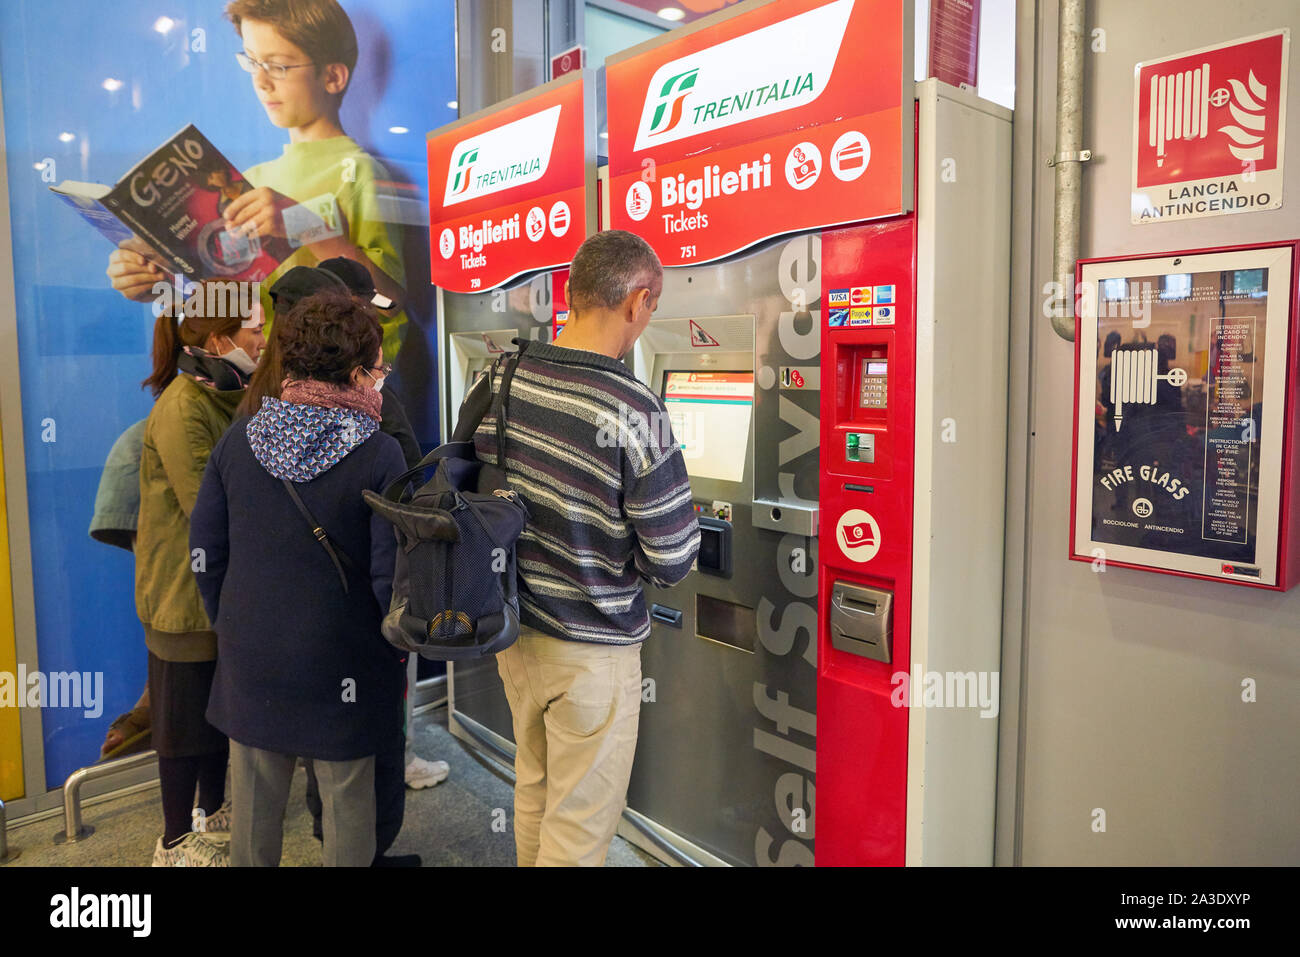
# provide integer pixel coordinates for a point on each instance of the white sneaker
(216, 826)
(425, 774)
(193, 850)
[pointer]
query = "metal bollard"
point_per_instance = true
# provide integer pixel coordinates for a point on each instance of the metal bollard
(6, 855)
(73, 829)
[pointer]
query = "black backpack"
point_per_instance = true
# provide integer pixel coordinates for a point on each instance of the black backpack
(455, 594)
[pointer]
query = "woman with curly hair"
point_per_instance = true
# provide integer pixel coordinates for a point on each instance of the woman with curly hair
(298, 575)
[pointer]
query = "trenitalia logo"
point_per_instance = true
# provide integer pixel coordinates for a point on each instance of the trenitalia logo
(502, 158)
(783, 66)
(679, 84)
(462, 175)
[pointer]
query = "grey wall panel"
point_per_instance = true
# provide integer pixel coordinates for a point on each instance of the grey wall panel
(1132, 682)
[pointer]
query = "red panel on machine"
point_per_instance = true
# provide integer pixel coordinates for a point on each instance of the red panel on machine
(868, 414)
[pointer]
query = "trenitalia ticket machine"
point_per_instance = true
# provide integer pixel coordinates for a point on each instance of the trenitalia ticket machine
(475, 329)
(823, 686)
(850, 479)
(726, 646)
(913, 428)
(826, 681)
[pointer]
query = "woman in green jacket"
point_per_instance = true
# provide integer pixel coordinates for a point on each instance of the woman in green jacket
(200, 370)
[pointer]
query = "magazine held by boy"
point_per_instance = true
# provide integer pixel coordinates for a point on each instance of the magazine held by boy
(174, 201)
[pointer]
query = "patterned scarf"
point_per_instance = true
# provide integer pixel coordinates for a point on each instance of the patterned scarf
(300, 440)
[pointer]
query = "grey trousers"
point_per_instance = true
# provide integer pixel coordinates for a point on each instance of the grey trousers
(260, 783)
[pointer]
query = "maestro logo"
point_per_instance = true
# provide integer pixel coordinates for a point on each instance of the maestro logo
(782, 66)
(511, 155)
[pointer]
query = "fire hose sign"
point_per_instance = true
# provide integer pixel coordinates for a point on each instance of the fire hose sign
(1208, 130)
(1180, 425)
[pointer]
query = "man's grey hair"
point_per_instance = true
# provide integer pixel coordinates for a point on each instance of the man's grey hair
(609, 266)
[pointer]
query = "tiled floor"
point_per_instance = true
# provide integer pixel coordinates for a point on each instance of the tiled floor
(449, 825)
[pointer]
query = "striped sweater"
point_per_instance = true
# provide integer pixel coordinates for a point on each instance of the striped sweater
(590, 452)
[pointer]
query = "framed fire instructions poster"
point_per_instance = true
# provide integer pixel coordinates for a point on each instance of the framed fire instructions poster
(1185, 423)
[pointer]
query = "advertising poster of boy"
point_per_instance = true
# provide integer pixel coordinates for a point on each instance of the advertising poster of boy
(320, 192)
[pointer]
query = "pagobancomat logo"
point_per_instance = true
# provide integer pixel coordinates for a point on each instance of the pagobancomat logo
(858, 535)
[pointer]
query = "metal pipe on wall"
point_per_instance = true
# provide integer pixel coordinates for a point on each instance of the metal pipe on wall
(1068, 162)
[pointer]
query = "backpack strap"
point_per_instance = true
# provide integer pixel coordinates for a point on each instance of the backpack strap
(322, 536)
(477, 402)
(501, 406)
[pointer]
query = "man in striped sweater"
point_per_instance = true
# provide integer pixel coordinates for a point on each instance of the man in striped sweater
(589, 450)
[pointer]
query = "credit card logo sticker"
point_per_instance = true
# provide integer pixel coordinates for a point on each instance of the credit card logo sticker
(858, 535)
(837, 297)
(884, 294)
(860, 296)
(884, 315)
(837, 317)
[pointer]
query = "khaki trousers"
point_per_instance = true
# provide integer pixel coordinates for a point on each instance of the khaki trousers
(575, 707)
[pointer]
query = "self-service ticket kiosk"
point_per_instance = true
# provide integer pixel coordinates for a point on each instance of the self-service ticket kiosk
(727, 718)
(476, 328)
(840, 394)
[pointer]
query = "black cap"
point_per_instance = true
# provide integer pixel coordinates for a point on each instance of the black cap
(301, 282)
(357, 278)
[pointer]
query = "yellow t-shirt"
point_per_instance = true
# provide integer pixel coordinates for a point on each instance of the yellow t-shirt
(337, 165)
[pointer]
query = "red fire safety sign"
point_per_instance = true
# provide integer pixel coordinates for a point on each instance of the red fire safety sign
(1208, 130)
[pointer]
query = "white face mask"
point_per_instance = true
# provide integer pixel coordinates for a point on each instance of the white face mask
(240, 359)
(379, 382)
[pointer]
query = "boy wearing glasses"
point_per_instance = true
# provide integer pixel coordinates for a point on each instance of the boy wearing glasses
(320, 192)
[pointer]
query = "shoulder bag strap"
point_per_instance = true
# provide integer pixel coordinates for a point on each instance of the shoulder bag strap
(322, 536)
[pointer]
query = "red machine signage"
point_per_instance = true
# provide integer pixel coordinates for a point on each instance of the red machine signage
(792, 116)
(1208, 130)
(568, 61)
(510, 188)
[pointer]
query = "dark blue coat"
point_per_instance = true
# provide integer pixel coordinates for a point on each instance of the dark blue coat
(302, 667)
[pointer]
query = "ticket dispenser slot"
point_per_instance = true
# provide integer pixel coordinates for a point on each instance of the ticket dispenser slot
(862, 621)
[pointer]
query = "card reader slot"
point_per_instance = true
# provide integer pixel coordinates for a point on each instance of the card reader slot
(667, 616)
